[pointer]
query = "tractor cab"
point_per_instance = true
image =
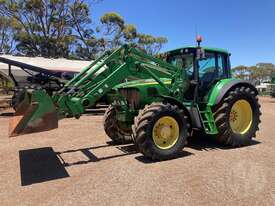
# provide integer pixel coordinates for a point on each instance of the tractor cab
(204, 66)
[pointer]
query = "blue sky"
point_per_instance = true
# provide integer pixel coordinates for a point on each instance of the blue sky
(245, 27)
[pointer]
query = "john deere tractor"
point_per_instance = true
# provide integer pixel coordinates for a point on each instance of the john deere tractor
(185, 90)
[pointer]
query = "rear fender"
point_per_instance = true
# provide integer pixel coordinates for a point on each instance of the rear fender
(221, 89)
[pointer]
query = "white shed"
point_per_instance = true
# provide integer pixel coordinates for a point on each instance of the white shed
(59, 64)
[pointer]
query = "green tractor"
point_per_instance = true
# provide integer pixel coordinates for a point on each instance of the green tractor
(187, 89)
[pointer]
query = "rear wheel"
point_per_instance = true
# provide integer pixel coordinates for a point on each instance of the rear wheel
(114, 129)
(160, 131)
(238, 117)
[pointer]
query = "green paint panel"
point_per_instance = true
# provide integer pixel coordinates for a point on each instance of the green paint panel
(216, 89)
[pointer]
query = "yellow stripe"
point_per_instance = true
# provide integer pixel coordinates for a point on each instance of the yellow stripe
(151, 83)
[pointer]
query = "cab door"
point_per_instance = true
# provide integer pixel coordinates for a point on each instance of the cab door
(211, 69)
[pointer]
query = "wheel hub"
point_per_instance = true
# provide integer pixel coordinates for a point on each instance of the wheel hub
(241, 117)
(165, 132)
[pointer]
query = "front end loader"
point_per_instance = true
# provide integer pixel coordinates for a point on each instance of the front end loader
(35, 113)
(188, 89)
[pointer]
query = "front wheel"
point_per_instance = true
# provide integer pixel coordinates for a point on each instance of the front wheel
(238, 117)
(160, 131)
(114, 129)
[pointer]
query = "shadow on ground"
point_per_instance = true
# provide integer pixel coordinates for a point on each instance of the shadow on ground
(200, 143)
(44, 164)
(146, 160)
(40, 165)
(206, 143)
(126, 150)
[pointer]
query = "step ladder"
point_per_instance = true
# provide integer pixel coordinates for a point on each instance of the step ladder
(208, 121)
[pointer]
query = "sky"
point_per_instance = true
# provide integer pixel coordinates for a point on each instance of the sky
(246, 28)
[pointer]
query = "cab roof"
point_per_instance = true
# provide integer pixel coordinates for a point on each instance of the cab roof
(211, 49)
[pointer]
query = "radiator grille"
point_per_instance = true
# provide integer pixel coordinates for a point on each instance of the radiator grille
(132, 96)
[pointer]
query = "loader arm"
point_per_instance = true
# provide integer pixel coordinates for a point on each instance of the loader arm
(107, 72)
(92, 83)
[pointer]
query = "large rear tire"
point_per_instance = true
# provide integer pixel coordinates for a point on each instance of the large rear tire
(160, 131)
(113, 129)
(238, 117)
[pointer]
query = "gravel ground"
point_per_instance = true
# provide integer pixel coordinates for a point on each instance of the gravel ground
(76, 165)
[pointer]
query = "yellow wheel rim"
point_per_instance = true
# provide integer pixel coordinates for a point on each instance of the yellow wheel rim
(165, 132)
(240, 117)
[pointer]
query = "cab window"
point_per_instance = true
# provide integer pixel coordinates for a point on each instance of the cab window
(212, 67)
(221, 65)
(184, 61)
(177, 61)
(207, 67)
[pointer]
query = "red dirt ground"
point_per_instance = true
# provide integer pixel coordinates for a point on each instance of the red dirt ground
(73, 165)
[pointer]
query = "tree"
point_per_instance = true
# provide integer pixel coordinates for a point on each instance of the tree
(64, 28)
(150, 43)
(256, 74)
(45, 27)
(241, 72)
(6, 36)
(87, 44)
(116, 32)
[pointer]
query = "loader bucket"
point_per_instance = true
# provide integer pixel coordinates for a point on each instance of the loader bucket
(36, 113)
